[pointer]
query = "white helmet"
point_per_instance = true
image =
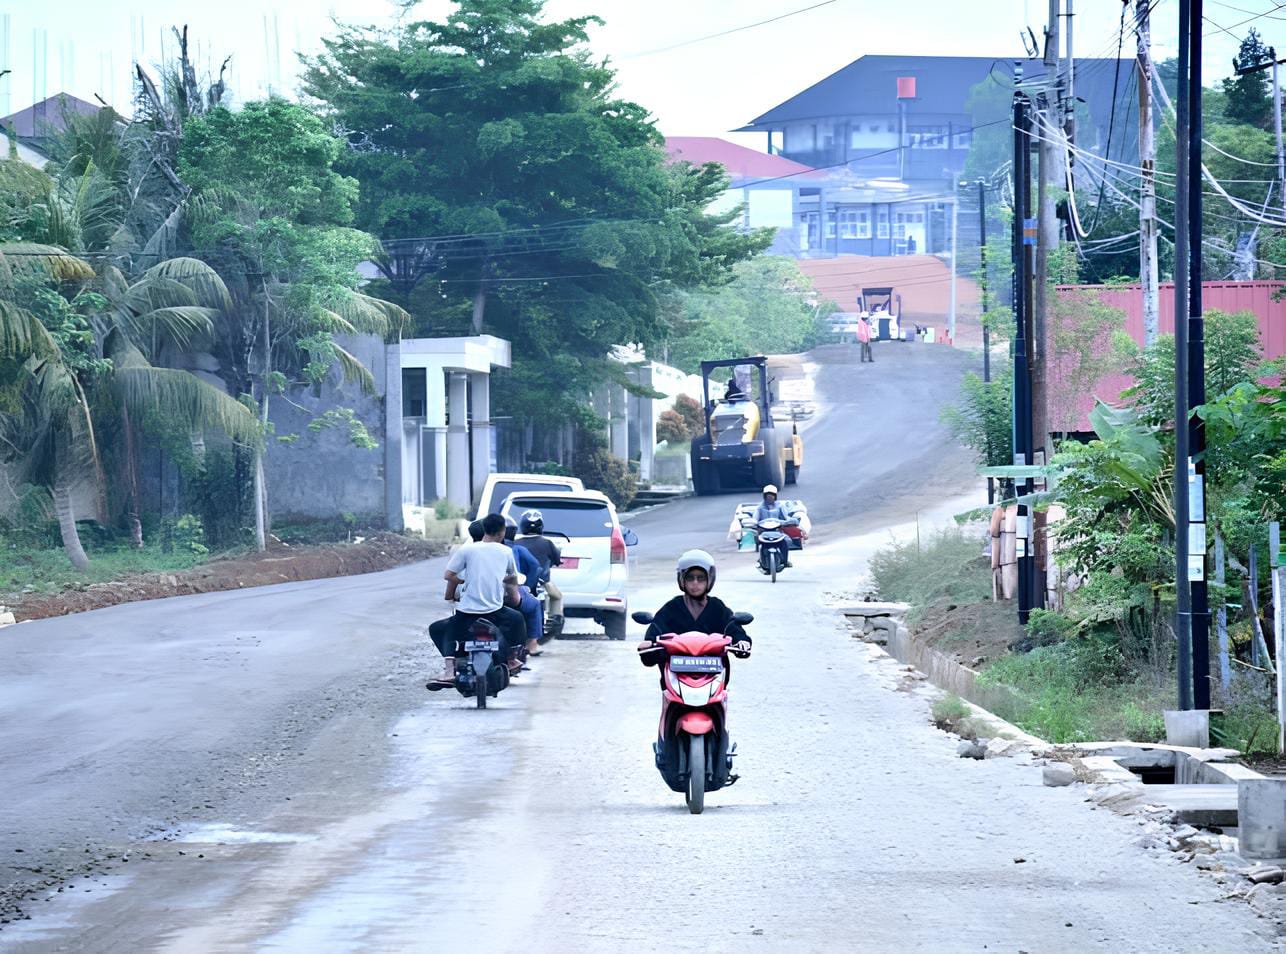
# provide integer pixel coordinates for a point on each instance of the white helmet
(770, 489)
(692, 559)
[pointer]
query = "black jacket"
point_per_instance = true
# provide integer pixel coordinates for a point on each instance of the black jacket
(716, 618)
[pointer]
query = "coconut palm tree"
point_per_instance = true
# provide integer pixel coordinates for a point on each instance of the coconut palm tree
(170, 305)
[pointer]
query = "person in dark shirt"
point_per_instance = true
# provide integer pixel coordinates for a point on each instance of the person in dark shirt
(529, 606)
(693, 610)
(532, 526)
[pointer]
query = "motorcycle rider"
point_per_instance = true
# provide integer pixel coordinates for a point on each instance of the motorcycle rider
(532, 527)
(480, 575)
(529, 606)
(693, 610)
(770, 509)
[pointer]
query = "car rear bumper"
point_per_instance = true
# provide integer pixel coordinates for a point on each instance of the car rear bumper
(594, 602)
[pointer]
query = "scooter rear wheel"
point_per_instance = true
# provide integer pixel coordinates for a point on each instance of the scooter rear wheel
(480, 688)
(696, 794)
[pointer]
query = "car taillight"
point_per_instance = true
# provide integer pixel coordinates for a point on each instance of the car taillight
(618, 546)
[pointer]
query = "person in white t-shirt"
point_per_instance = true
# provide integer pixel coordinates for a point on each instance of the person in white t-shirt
(479, 575)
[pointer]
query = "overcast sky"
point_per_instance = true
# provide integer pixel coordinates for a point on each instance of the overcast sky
(700, 88)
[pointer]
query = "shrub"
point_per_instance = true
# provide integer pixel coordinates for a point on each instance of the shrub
(186, 535)
(594, 465)
(689, 409)
(671, 428)
(948, 710)
(948, 566)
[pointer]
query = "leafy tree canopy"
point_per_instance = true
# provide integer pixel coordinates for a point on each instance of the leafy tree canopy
(554, 218)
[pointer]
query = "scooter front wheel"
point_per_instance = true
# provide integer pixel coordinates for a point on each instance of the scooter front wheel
(772, 566)
(696, 794)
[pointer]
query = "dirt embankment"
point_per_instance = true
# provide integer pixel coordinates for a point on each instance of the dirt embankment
(280, 563)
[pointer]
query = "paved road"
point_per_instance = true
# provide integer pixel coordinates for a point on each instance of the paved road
(375, 818)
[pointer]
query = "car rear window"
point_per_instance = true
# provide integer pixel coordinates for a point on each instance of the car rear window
(503, 488)
(573, 518)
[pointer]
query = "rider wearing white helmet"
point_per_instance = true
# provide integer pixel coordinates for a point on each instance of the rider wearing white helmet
(694, 609)
(770, 509)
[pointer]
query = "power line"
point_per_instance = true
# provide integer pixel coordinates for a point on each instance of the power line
(1251, 19)
(729, 32)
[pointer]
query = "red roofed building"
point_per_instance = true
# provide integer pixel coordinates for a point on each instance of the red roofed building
(743, 164)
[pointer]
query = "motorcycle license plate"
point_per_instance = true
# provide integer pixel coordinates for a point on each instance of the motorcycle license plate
(482, 646)
(696, 664)
(569, 563)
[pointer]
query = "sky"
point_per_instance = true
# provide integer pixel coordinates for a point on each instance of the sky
(693, 86)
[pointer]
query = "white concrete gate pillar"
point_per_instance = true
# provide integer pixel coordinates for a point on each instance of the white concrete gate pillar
(619, 425)
(480, 429)
(646, 426)
(458, 489)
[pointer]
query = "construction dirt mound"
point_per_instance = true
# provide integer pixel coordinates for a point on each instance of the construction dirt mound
(280, 563)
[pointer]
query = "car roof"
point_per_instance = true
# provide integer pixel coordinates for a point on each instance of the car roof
(589, 496)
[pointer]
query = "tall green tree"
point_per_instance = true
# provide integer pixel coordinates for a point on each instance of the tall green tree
(770, 307)
(1249, 98)
(515, 193)
(273, 216)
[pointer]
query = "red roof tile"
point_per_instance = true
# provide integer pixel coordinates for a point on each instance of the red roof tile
(741, 163)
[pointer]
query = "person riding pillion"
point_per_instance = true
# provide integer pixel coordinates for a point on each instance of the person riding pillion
(532, 527)
(528, 605)
(770, 509)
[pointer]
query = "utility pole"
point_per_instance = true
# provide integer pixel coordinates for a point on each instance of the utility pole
(1277, 128)
(951, 307)
(1197, 384)
(1192, 611)
(985, 282)
(1052, 174)
(1148, 276)
(1022, 416)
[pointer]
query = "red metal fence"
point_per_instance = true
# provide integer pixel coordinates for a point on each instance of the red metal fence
(1070, 404)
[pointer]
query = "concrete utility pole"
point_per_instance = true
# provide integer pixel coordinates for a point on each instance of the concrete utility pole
(1023, 239)
(951, 307)
(1148, 276)
(1051, 173)
(1277, 129)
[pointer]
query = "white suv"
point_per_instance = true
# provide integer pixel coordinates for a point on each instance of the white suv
(596, 567)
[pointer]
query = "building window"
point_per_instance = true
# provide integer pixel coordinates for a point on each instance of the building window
(875, 127)
(809, 221)
(882, 223)
(903, 219)
(892, 127)
(963, 139)
(854, 223)
(927, 137)
(830, 223)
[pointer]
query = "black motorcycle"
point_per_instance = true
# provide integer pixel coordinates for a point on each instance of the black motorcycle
(481, 663)
(768, 538)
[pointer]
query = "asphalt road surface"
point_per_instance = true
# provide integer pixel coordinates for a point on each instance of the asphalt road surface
(278, 780)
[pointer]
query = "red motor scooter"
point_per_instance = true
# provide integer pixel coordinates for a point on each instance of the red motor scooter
(692, 749)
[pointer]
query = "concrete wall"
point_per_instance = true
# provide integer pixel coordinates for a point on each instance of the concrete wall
(323, 474)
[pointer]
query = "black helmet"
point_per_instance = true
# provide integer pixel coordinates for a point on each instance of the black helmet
(533, 521)
(511, 528)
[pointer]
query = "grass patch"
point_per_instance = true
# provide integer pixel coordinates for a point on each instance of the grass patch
(947, 567)
(25, 568)
(1077, 691)
(948, 710)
